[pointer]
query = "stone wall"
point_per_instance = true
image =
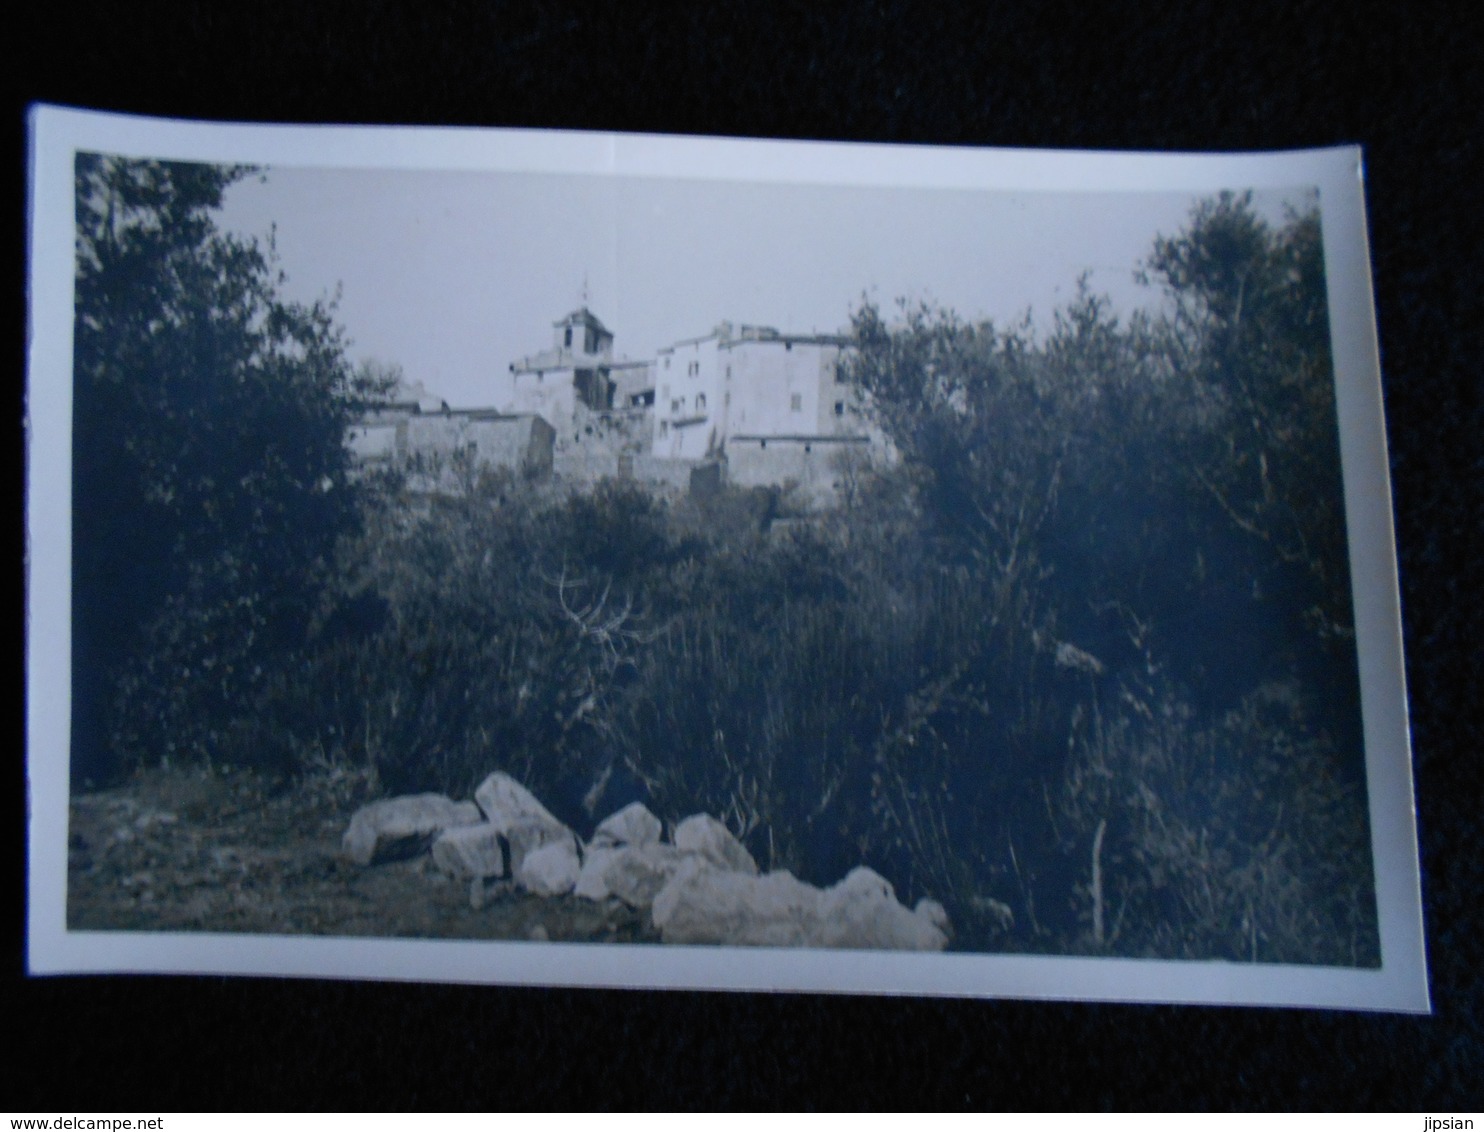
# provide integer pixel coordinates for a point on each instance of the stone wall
(522, 444)
(437, 449)
(608, 433)
(819, 468)
(667, 477)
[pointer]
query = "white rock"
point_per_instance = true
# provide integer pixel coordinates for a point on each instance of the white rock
(862, 912)
(702, 904)
(550, 870)
(704, 835)
(635, 874)
(706, 905)
(515, 814)
(506, 802)
(934, 913)
(528, 835)
(632, 825)
(470, 851)
(590, 883)
(399, 827)
(863, 884)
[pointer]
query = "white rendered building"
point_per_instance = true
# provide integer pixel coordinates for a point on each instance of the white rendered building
(751, 386)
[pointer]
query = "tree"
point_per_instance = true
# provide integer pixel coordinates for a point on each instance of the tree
(1248, 342)
(209, 464)
(961, 405)
(1246, 351)
(1218, 804)
(1147, 520)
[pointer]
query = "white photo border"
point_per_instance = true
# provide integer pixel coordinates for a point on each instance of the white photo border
(56, 134)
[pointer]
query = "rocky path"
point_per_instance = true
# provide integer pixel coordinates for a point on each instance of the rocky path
(217, 851)
(199, 850)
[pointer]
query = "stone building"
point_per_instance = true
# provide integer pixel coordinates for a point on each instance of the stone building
(754, 385)
(771, 405)
(768, 406)
(578, 375)
(598, 405)
(417, 433)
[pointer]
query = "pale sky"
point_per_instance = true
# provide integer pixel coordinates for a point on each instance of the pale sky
(454, 275)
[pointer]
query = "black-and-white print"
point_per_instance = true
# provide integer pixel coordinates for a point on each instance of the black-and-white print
(745, 574)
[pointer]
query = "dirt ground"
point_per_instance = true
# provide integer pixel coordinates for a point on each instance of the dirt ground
(232, 851)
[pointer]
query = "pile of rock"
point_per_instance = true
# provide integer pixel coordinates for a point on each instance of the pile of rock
(701, 886)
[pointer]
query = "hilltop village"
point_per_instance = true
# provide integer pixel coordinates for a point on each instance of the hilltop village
(745, 405)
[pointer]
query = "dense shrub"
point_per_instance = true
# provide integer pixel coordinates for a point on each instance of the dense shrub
(1236, 839)
(1161, 496)
(502, 641)
(209, 471)
(1076, 663)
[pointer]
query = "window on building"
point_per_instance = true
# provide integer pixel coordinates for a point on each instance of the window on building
(675, 406)
(700, 401)
(796, 402)
(568, 339)
(839, 408)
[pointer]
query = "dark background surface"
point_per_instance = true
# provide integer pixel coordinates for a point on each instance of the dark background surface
(1403, 81)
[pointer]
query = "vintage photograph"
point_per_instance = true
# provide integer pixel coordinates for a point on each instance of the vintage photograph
(693, 566)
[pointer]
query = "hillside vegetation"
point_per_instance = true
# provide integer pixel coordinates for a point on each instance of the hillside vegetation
(1083, 651)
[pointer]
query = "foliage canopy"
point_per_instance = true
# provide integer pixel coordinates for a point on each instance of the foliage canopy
(1077, 662)
(210, 477)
